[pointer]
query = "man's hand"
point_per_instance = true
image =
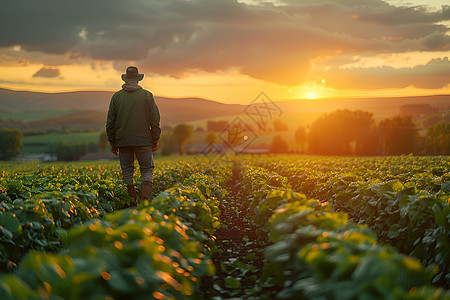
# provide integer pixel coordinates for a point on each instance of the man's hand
(114, 150)
(155, 147)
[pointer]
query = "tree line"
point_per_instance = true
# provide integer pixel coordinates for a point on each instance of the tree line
(342, 132)
(346, 132)
(11, 143)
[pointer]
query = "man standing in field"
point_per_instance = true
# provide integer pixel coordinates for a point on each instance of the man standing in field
(133, 130)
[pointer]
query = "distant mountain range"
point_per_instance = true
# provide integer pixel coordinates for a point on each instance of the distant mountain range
(176, 110)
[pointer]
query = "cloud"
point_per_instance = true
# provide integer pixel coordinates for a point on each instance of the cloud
(174, 37)
(47, 72)
(433, 75)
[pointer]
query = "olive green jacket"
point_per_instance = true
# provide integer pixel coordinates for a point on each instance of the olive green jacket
(133, 118)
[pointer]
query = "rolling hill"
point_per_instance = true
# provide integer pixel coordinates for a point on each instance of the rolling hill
(89, 108)
(173, 110)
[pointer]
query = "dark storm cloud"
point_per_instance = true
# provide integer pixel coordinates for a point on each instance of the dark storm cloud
(48, 72)
(173, 37)
(433, 75)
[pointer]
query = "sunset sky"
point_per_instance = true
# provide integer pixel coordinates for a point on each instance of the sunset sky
(228, 50)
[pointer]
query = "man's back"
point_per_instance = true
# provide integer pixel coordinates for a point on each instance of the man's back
(135, 117)
(133, 129)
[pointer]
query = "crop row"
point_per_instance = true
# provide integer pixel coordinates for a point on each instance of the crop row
(64, 232)
(159, 249)
(405, 200)
(316, 253)
(36, 205)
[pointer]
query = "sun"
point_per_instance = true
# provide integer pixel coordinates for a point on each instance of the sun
(311, 95)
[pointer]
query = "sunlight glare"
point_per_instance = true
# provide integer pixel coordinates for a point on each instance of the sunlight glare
(311, 95)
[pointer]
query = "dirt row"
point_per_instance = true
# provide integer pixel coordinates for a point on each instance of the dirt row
(239, 259)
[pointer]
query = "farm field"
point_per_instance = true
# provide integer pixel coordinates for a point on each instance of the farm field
(41, 143)
(28, 116)
(248, 227)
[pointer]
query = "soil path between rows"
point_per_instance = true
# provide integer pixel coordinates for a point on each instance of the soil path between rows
(239, 260)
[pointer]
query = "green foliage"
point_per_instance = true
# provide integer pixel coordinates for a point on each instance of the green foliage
(158, 250)
(47, 143)
(48, 201)
(436, 118)
(403, 199)
(211, 138)
(318, 254)
(321, 256)
(64, 232)
(181, 134)
(10, 141)
(333, 133)
(399, 135)
(438, 139)
(166, 143)
(73, 151)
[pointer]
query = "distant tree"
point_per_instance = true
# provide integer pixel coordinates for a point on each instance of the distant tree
(398, 135)
(279, 145)
(300, 135)
(199, 129)
(342, 132)
(10, 141)
(211, 138)
(368, 142)
(278, 125)
(166, 143)
(217, 126)
(436, 118)
(182, 133)
(421, 146)
(300, 138)
(103, 141)
(66, 151)
(438, 139)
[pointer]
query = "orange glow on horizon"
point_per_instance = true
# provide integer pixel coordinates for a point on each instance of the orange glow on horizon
(226, 87)
(311, 95)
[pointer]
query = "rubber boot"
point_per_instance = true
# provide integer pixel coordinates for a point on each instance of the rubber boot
(145, 193)
(132, 193)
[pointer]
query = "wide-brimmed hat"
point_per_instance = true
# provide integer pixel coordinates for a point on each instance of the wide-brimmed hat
(132, 74)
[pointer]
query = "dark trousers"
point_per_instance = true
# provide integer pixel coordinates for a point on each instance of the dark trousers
(144, 155)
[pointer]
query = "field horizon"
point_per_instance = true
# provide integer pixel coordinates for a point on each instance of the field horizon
(35, 106)
(85, 111)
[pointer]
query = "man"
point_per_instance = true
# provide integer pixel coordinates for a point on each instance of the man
(133, 130)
